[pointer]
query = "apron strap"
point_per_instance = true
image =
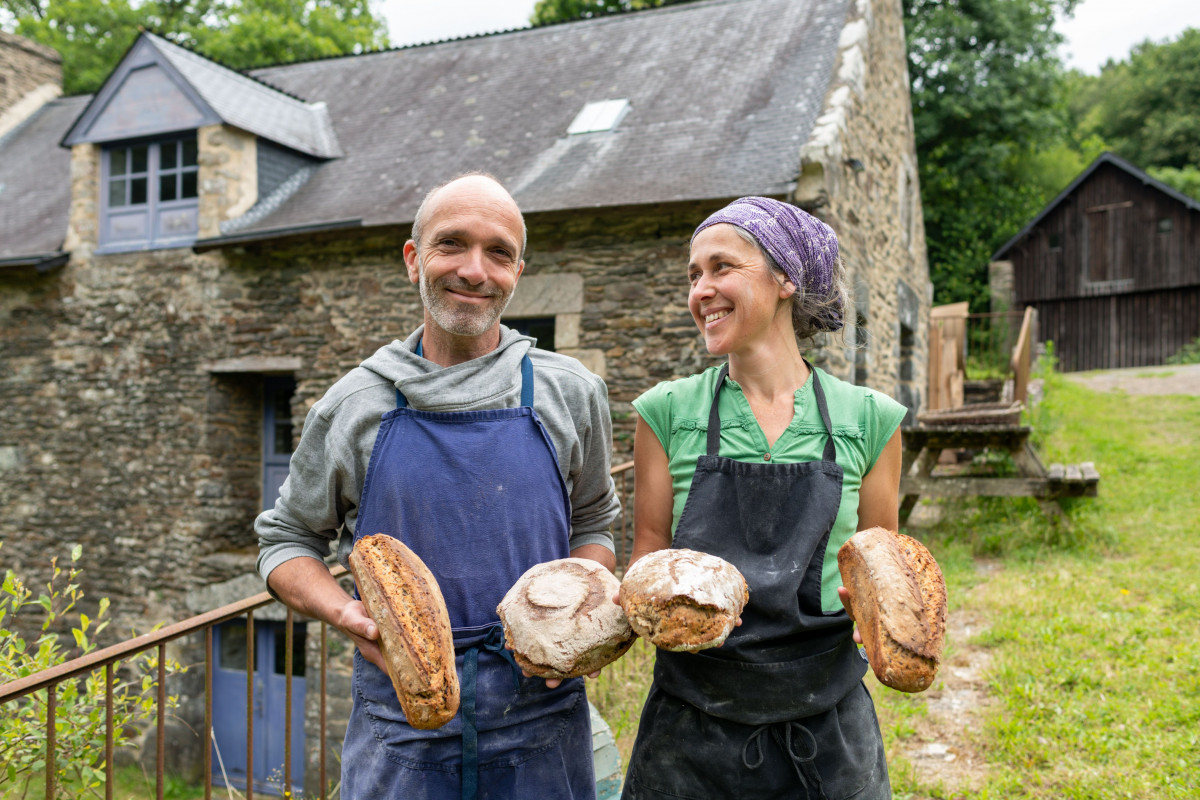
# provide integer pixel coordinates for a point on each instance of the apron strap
(714, 416)
(493, 642)
(781, 732)
(526, 383)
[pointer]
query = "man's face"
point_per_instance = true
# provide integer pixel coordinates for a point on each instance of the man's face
(469, 257)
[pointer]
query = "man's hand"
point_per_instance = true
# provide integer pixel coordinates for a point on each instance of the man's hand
(362, 630)
(306, 585)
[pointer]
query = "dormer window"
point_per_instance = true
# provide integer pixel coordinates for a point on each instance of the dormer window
(150, 195)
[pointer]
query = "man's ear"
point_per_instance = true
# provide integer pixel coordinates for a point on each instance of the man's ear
(411, 262)
(520, 269)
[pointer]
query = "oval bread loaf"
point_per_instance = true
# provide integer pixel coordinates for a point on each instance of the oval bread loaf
(898, 600)
(683, 600)
(560, 620)
(403, 598)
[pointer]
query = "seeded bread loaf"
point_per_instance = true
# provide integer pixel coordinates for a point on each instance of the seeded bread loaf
(898, 600)
(683, 600)
(403, 598)
(560, 620)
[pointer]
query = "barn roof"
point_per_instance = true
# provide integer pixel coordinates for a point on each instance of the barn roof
(719, 97)
(1103, 158)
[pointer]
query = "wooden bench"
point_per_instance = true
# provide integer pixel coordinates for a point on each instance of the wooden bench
(923, 445)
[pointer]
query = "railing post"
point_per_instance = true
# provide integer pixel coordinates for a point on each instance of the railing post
(287, 719)
(250, 659)
(321, 744)
(51, 738)
(208, 715)
(160, 755)
(108, 731)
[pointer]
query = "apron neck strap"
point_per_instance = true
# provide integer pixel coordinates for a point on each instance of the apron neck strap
(714, 416)
(526, 382)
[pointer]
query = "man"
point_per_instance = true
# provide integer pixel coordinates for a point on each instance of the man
(484, 455)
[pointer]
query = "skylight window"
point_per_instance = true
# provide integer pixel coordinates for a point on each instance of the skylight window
(602, 115)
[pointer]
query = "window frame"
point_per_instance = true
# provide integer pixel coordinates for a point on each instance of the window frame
(154, 209)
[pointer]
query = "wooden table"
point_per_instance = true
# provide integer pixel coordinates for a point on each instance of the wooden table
(923, 445)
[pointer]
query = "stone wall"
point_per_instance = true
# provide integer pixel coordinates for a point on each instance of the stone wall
(25, 67)
(859, 174)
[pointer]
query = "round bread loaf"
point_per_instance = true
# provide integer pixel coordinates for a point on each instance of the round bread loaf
(683, 600)
(898, 601)
(560, 620)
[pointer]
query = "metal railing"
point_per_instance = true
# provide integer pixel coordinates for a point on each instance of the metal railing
(108, 658)
(49, 680)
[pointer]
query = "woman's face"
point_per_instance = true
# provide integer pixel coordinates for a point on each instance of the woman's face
(734, 298)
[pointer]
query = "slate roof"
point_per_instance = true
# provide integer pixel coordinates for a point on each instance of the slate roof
(35, 181)
(723, 94)
(230, 97)
(252, 106)
(1103, 158)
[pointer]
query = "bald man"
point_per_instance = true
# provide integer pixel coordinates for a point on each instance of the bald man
(483, 454)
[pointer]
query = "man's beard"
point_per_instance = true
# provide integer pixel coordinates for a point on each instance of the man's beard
(461, 319)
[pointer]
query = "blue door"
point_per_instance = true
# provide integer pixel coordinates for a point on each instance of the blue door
(270, 705)
(276, 435)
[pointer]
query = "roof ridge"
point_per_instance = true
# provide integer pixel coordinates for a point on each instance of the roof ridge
(676, 6)
(240, 72)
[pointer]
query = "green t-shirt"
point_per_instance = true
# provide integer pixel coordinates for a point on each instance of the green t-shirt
(863, 421)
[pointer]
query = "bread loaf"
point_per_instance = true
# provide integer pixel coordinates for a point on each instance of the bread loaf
(683, 600)
(560, 620)
(898, 600)
(404, 600)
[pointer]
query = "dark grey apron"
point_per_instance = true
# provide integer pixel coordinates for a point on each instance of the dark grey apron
(780, 709)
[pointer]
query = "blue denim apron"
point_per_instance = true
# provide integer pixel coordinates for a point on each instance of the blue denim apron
(780, 709)
(478, 496)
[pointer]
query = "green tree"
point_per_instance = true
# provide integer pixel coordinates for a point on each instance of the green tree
(1145, 106)
(989, 116)
(92, 35)
(546, 12)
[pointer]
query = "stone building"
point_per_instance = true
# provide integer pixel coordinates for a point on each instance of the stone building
(191, 256)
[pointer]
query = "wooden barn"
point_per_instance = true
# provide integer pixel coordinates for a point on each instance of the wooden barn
(1112, 266)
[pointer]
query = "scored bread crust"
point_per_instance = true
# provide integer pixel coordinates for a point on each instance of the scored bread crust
(898, 601)
(403, 598)
(560, 620)
(683, 600)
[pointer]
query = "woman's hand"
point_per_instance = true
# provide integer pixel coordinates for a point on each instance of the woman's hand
(844, 596)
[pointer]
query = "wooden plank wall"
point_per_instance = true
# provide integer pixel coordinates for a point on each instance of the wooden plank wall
(1116, 290)
(1126, 330)
(1120, 237)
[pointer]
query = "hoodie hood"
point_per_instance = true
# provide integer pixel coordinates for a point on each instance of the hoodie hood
(490, 381)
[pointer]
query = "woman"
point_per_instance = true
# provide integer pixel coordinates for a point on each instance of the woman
(771, 464)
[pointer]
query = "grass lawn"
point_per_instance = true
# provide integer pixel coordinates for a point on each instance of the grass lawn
(1094, 628)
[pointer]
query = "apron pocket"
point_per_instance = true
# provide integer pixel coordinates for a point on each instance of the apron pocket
(761, 693)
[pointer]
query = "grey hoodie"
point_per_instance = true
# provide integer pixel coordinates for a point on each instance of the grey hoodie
(318, 503)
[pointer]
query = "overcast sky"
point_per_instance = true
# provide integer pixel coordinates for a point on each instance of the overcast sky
(1100, 30)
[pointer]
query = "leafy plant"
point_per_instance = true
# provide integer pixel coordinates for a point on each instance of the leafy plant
(79, 724)
(1188, 354)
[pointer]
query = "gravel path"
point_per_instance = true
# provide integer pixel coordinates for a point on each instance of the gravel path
(1167, 379)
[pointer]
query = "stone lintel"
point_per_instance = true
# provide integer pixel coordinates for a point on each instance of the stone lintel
(254, 364)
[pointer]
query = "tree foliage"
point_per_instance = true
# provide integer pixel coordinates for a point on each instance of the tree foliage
(93, 35)
(989, 116)
(80, 713)
(1145, 106)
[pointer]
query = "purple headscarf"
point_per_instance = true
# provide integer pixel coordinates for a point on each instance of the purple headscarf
(803, 246)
